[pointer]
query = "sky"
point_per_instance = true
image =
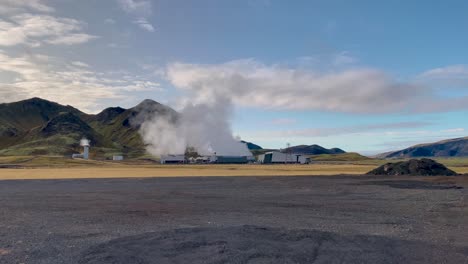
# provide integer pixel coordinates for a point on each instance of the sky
(365, 76)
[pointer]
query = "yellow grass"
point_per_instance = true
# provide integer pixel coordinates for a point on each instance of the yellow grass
(134, 171)
(50, 167)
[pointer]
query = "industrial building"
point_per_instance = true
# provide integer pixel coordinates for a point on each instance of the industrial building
(173, 159)
(230, 159)
(280, 157)
(117, 157)
(168, 159)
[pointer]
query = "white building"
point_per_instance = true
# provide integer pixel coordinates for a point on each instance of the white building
(168, 159)
(77, 156)
(117, 157)
(280, 157)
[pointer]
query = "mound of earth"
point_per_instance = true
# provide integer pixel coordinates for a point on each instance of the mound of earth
(253, 244)
(414, 167)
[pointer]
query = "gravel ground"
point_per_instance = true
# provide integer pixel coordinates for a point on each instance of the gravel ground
(342, 219)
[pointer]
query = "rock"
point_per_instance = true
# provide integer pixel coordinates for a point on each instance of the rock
(414, 167)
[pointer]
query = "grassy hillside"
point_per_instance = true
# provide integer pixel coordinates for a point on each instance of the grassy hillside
(457, 147)
(41, 127)
(350, 156)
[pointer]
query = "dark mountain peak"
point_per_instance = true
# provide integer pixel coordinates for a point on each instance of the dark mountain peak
(313, 150)
(34, 112)
(146, 110)
(108, 114)
(148, 103)
(337, 151)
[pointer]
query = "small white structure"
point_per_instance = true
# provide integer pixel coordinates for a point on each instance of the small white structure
(117, 157)
(85, 144)
(77, 156)
(280, 157)
(85, 155)
(168, 159)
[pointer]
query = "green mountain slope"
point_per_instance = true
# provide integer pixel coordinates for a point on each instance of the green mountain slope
(37, 126)
(457, 147)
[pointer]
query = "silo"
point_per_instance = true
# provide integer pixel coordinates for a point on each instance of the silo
(85, 144)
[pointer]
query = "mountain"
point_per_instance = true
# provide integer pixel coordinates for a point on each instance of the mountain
(251, 146)
(37, 126)
(457, 147)
(313, 150)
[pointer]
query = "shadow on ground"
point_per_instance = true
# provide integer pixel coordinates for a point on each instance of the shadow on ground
(253, 244)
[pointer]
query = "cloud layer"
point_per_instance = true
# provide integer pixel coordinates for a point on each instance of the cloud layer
(18, 26)
(356, 90)
(250, 83)
(141, 10)
(70, 83)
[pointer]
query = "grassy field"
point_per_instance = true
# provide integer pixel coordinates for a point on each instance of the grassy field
(127, 171)
(56, 167)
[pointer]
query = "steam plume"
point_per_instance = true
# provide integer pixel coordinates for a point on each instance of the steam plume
(203, 126)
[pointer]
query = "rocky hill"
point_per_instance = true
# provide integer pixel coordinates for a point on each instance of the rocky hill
(457, 147)
(413, 167)
(37, 126)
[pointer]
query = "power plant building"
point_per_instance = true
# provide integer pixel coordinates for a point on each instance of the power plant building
(117, 157)
(280, 157)
(231, 159)
(172, 159)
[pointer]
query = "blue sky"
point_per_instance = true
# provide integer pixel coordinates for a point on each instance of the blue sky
(367, 76)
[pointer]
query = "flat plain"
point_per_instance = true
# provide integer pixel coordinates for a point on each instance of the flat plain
(74, 211)
(307, 219)
(43, 167)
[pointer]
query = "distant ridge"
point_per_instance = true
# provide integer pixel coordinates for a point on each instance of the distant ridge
(313, 150)
(456, 147)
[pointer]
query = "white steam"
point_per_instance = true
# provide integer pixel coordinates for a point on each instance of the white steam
(84, 142)
(204, 126)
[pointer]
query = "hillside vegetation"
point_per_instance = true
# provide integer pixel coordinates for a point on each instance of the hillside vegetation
(41, 127)
(457, 147)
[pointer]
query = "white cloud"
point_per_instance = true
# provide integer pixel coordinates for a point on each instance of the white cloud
(71, 39)
(80, 64)
(137, 7)
(14, 6)
(356, 90)
(452, 76)
(141, 9)
(452, 71)
(144, 24)
(250, 83)
(69, 83)
(34, 30)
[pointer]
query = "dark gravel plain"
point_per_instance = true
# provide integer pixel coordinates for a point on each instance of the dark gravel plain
(339, 219)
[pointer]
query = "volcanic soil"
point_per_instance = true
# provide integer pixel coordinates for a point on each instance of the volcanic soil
(338, 219)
